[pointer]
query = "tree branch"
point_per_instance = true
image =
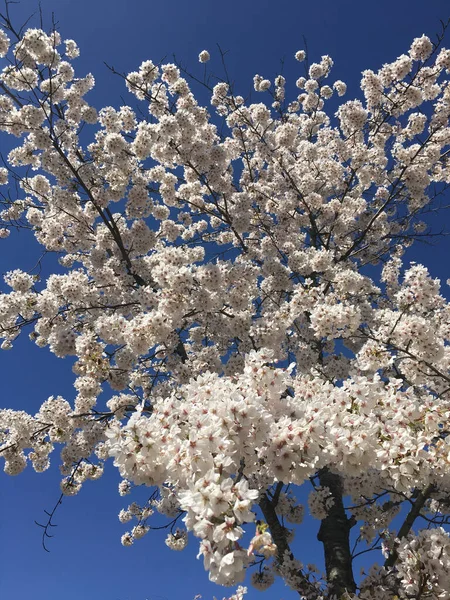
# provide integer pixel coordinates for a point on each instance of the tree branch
(422, 497)
(278, 532)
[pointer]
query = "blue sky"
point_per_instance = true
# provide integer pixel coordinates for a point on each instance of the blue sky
(86, 558)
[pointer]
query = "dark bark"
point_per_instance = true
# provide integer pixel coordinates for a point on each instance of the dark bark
(334, 533)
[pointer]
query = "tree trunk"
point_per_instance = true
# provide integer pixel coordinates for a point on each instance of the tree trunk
(334, 533)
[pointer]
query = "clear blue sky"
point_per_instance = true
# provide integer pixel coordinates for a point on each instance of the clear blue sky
(86, 559)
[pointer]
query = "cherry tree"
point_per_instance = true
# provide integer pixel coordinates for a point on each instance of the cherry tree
(231, 342)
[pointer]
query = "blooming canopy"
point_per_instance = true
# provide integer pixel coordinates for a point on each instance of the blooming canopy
(213, 287)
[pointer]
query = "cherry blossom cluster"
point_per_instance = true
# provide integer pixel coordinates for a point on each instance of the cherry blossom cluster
(423, 569)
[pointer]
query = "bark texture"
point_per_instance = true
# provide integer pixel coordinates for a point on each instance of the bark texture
(334, 533)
